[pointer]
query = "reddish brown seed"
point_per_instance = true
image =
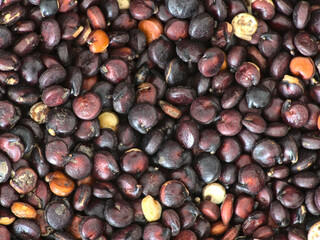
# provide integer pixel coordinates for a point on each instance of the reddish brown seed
(96, 18)
(227, 209)
(4, 232)
(134, 161)
(247, 74)
(294, 113)
(55, 95)
(87, 106)
(210, 210)
(105, 167)
(115, 70)
(265, 232)
(203, 110)
(119, 214)
(74, 226)
(173, 193)
(263, 8)
(186, 234)
(176, 29)
(243, 206)
(91, 228)
(229, 123)
(8, 195)
(146, 93)
(232, 233)
(88, 83)
(279, 214)
(252, 177)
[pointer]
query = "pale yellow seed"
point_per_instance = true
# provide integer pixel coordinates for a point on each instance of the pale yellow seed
(108, 120)
(151, 208)
(244, 26)
(124, 4)
(7, 220)
(314, 232)
(38, 112)
(214, 192)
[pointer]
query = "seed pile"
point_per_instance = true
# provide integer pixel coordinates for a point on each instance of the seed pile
(159, 119)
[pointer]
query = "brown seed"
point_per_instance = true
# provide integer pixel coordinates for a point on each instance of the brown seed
(23, 210)
(152, 28)
(98, 41)
(218, 228)
(74, 226)
(88, 83)
(96, 18)
(59, 183)
(303, 67)
(169, 109)
(87, 180)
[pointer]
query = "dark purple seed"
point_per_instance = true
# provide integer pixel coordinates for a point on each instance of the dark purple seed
(143, 117)
(200, 27)
(207, 167)
(279, 214)
(119, 213)
(171, 155)
(290, 197)
(211, 62)
(173, 194)
(58, 215)
(182, 9)
(26, 229)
